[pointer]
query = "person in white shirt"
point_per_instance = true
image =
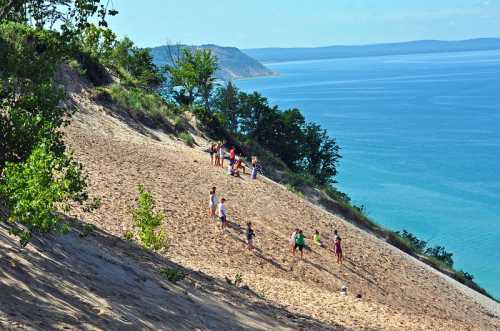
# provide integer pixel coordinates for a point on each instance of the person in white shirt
(292, 240)
(222, 214)
(212, 204)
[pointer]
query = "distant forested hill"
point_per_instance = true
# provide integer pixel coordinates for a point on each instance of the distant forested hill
(412, 47)
(233, 63)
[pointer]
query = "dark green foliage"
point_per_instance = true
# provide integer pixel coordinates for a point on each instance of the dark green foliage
(29, 98)
(416, 244)
(440, 253)
(228, 103)
(87, 229)
(128, 235)
(173, 274)
(187, 138)
(321, 154)
(71, 15)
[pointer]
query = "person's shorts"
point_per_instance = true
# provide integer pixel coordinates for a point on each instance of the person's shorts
(223, 219)
(232, 162)
(300, 247)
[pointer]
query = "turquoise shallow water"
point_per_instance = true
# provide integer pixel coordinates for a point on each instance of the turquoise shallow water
(420, 138)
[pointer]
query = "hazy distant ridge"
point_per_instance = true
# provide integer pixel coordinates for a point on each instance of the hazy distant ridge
(233, 63)
(412, 47)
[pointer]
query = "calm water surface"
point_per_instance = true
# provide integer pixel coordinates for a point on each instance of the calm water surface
(420, 138)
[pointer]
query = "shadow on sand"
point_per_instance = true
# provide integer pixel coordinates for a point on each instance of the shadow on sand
(102, 281)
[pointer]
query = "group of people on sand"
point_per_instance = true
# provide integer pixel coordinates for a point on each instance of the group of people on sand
(217, 209)
(236, 165)
(297, 241)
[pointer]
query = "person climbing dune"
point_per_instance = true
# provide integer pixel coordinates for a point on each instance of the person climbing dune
(222, 215)
(338, 249)
(250, 236)
(299, 243)
(292, 240)
(212, 203)
(317, 239)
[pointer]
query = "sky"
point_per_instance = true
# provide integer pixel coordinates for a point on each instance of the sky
(302, 23)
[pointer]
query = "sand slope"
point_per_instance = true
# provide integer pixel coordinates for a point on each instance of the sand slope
(396, 292)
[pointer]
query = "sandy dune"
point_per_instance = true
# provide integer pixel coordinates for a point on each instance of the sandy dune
(396, 292)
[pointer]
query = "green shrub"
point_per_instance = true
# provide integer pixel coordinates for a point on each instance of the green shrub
(238, 279)
(180, 123)
(294, 190)
(187, 138)
(87, 229)
(140, 101)
(147, 222)
(417, 244)
(439, 253)
(36, 189)
(298, 180)
(403, 244)
(128, 235)
(173, 274)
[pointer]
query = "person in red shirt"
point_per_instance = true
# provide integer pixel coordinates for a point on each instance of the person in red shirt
(232, 156)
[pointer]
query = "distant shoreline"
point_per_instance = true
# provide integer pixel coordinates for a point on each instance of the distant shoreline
(373, 55)
(278, 55)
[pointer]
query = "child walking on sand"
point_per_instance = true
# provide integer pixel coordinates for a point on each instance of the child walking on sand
(317, 239)
(299, 243)
(292, 240)
(212, 203)
(250, 236)
(338, 249)
(222, 215)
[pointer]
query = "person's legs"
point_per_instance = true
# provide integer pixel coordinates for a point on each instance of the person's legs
(301, 248)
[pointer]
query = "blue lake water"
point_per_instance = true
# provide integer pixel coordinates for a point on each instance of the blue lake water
(420, 139)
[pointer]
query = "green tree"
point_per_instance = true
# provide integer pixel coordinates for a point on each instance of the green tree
(252, 108)
(70, 16)
(98, 42)
(322, 154)
(147, 221)
(192, 76)
(228, 103)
